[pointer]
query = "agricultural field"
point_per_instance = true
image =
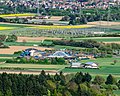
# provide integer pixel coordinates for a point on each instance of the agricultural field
(31, 68)
(61, 31)
(32, 42)
(17, 15)
(106, 67)
(13, 49)
(43, 26)
(101, 39)
(30, 35)
(6, 27)
(36, 39)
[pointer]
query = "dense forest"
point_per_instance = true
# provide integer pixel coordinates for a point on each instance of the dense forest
(80, 84)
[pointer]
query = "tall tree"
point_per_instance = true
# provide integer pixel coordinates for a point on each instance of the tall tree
(111, 80)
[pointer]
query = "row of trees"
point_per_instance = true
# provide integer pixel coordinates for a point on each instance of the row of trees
(90, 15)
(99, 46)
(57, 85)
(59, 61)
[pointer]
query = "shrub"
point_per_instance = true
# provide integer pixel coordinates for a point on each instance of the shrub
(11, 38)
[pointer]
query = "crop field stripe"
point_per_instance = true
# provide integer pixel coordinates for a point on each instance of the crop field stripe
(32, 66)
(14, 15)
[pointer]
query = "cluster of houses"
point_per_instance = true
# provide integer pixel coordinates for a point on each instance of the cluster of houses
(67, 55)
(59, 4)
(88, 65)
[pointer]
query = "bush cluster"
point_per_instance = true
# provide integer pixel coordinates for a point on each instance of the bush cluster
(31, 60)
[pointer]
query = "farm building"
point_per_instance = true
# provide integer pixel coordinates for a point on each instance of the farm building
(75, 65)
(31, 52)
(91, 65)
(60, 54)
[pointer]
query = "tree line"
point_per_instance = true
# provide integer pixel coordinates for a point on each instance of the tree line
(23, 60)
(103, 47)
(80, 84)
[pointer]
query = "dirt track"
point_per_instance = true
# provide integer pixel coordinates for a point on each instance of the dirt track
(104, 23)
(36, 39)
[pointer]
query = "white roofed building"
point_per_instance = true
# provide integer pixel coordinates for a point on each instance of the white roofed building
(75, 65)
(60, 54)
(91, 65)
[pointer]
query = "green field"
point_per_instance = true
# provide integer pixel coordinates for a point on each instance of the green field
(100, 39)
(27, 43)
(21, 43)
(34, 67)
(67, 47)
(105, 65)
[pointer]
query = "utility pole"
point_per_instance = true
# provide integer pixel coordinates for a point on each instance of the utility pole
(15, 7)
(108, 17)
(38, 8)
